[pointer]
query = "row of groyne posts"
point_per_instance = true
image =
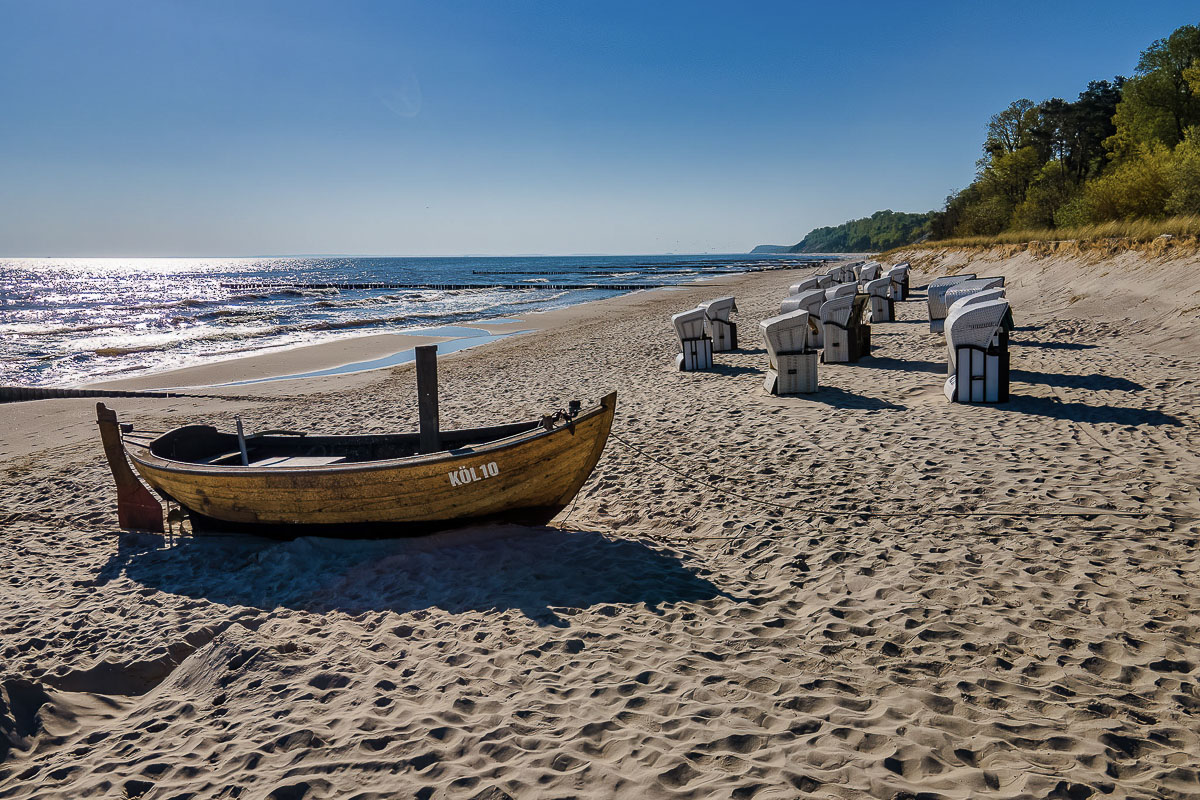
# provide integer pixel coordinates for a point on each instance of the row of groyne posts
(19, 394)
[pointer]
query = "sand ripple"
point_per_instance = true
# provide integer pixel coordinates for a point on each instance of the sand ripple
(668, 640)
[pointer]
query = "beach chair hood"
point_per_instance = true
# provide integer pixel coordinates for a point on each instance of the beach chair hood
(878, 287)
(936, 293)
(837, 311)
(975, 297)
(809, 301)
(794, 332)
(961, 290)
(808, 284)
(842, 290)
(974, 326)
(689, 324)
(719, 308)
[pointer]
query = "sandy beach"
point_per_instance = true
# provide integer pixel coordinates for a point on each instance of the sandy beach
(866, 592)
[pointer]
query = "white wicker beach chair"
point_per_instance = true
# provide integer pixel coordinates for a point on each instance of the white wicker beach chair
(810, 301)
(880, 304)
(968, 288)
(806, 285)
(899, 277)
(841, 290)
(937, 298)
(977, 346)
(975, 297)
(790, 341)
(695, 343)
(826, 280)
(847, 337)
(717, 325)
(869, 272)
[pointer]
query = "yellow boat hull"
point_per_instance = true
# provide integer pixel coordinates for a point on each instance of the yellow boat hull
(526, 478)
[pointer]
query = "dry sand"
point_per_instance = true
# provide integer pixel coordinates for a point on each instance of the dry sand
(667, 639)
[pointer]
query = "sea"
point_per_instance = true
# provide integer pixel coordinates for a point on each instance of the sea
(73, 321)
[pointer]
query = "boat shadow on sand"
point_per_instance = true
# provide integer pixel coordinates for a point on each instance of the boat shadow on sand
(539, 571)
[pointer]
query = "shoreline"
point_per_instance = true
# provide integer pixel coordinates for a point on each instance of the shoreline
(327, 359)
(84, 363)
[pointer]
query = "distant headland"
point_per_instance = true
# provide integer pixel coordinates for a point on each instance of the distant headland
(882, 230)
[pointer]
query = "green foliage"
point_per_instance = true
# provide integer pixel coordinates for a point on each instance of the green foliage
(1160, 103)
(1123, 150)
(1052, 189)
(882, 230)
(1137, 188)
(985, 216)
(1010, 174)
(1008, 131)
(1135, 123)
(1102, 233)
(1075, 213)
(1184, 177)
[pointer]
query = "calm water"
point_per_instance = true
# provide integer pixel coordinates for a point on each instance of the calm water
(70, 321)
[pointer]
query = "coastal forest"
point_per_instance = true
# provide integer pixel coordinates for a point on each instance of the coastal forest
(882, 230)
(1126, 150)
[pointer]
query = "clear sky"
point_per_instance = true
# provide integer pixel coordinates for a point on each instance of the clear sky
(153, 127)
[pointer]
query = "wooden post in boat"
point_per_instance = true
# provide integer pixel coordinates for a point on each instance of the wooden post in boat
(427, 398)
(241, 434)
(136, 507)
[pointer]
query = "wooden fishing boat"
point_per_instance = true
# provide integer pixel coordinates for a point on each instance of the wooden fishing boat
(360, 485)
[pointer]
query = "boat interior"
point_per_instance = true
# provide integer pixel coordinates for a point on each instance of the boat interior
(204, 444)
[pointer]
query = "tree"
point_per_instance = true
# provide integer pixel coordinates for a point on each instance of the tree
(1159, 103)
(1053, 130)
(1053, 188)
(882, 230)
(1165, 86)
(1007, 131)
(1184, 177)
(1137, 188)
(1010, 174)
(1094, 112)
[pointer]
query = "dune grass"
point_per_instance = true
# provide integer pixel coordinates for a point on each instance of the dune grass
(1138, 230)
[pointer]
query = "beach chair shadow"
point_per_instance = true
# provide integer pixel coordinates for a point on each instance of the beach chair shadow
(490, 568)
(840, 398)
(731, 370)
(903, 365)
(1081, 412)
(1094, 381)
(1051, 345)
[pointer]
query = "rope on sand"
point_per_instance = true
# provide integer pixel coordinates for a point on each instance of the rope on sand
(829, 512)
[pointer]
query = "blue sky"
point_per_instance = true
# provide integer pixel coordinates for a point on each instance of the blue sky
(243, 128)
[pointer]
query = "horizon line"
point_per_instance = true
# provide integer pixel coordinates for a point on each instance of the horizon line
(416, 255)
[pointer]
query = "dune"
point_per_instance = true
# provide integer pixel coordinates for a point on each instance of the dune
(866, 592)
